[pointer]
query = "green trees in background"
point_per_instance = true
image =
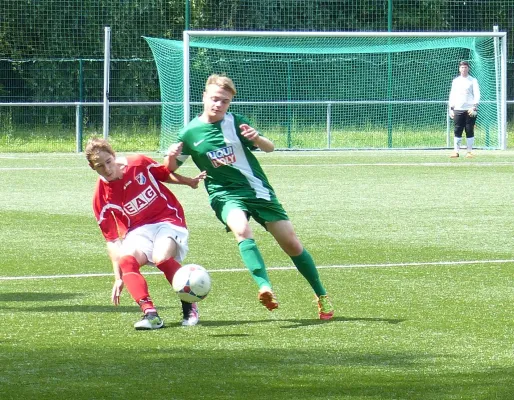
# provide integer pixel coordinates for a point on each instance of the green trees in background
(52, 50)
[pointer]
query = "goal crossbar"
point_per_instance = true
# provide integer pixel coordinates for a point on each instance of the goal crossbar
(362, 85)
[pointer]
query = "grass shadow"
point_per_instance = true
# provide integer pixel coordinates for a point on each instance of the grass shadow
(35, 296)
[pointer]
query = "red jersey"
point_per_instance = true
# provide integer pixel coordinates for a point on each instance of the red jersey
(139, 198)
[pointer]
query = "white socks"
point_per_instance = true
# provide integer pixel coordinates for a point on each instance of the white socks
(469, 143)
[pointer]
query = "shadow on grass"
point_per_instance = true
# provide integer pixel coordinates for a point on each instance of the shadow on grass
(80, 309)
(99, 372)
(294, 323)
(298, 323)
(37, 296)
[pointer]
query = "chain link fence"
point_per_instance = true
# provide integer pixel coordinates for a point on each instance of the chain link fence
(51, 54)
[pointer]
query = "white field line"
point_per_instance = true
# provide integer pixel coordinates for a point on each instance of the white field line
(426, 164)
(36, 168)
(347, 266)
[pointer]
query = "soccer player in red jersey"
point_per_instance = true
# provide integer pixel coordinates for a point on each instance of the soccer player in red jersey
(142, 222)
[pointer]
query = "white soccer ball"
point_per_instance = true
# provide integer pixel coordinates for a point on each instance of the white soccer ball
(192, 283)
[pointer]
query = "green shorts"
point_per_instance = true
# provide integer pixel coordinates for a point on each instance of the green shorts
(260, 210)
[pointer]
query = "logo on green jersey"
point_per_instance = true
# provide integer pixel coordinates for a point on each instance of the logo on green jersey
(223, 156)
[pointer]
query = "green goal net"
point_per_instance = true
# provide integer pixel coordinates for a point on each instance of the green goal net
(337, 91)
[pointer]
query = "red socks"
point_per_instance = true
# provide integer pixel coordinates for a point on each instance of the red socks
(169, 267)
(135, 283)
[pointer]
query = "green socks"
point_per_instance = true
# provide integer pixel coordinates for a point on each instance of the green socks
(253, 260)
(305, 265)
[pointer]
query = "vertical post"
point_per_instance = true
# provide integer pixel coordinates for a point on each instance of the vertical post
(289, 113)
(107, 59)
(186, 77)
(389, 78)
(390, 15)
(187, 15)
(498, 89)
(78, 120)
(497, 80)
(78, 130)
(503, 91)
(329, 129)
(448, 130)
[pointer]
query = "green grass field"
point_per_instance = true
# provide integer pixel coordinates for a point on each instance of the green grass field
(415, 249)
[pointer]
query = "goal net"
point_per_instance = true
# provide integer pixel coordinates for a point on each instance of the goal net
(337, 90)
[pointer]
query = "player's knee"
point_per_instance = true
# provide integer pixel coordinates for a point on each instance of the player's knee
(162, 254)
(129, 263)
(164, 249)
(241, 230)
(292, 247)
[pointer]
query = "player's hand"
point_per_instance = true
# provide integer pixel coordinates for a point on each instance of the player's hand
(248, 132)
(197, 179)
(175, 149)
(116, 291)
(452, 114)
(472, 112)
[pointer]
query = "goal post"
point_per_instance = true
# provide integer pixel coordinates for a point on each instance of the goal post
(338, 90)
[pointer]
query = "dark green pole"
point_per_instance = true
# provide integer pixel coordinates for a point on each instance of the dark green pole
(80, 127)
(187, 15)
(389, 78)
(289, 111)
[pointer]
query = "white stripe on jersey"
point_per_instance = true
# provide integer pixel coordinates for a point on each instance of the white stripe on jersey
(242, 164)
(106, 208)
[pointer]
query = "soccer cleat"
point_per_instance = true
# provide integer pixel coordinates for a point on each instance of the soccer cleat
(149, 321)
(325, 308)
(268, 298)
(469, 154)
(454, 155)
(190, 313)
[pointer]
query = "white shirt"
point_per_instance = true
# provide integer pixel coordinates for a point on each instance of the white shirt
(465, 93)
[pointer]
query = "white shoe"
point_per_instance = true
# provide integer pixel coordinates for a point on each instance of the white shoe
(191, 314)
(149, 321)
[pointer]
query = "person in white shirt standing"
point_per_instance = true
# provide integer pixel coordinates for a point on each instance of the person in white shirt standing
(463, 103)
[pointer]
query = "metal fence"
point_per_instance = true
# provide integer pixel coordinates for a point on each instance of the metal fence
(51, 52)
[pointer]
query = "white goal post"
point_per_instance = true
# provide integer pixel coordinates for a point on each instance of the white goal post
(329, 58)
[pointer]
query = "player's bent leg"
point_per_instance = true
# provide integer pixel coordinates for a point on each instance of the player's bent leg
(306, 266)
(283, 232)
(252, 259)
(138, 289)
(133, 280)
(285, 235)
(164, 249)
(169, 268)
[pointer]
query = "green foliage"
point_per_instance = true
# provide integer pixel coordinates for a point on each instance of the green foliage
(52, 50)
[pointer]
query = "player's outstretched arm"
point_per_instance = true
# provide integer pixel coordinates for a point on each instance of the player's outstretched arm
(193, 183)
(253, 135)
(113, 248)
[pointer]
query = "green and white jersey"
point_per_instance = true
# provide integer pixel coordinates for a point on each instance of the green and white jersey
(226, 156)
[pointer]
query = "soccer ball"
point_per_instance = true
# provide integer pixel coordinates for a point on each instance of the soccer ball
(192, 283)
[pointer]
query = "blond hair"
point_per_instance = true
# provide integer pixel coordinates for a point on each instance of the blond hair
(95, 146)
(222, 81)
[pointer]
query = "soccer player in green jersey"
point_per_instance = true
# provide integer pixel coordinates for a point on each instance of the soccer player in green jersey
(221, 144)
